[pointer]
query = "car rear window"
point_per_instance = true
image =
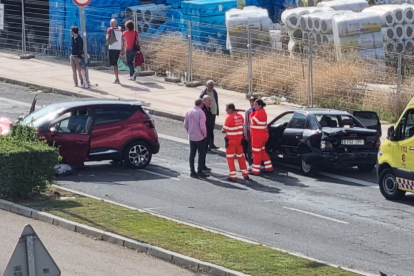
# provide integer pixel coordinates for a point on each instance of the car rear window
(337, 120)
(367, 118)
(46, 114)
(111, 114)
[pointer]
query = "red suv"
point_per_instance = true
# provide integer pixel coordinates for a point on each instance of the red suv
(96, 130)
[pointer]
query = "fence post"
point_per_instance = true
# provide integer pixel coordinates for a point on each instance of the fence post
(310, 75)
(23, 31)
(249, 60)
(190, 53)
(399, 80)
(85, 40)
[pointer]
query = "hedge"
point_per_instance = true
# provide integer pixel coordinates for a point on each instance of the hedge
(26, 164)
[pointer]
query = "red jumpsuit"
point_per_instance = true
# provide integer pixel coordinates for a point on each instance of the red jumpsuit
(234, 128)
(260, 135)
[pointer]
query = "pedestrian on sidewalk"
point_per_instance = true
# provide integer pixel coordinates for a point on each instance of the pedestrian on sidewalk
(233, 127)
(84, 67)
(116, 46)
(209, 122)
(76, 49)
(132, 43)
(210, 91)
(195, 124)
(246, 132)
(259, 136)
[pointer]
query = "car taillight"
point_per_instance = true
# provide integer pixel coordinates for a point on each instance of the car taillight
(378, 143)
(149, 123)
(326, 146)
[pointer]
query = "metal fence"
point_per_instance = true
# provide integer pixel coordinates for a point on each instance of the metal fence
(310, 73)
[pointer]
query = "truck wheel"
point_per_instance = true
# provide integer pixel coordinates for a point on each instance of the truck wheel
(366, 168)
(137, 155)
(308, 169)
(388, 185)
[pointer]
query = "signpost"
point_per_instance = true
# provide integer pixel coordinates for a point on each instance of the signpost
(30, 257)
(81, 4)
(24, 55)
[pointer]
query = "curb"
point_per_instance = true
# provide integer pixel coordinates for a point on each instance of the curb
(157, 252)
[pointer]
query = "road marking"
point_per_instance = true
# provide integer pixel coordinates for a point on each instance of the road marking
(316, 215)
(160, 174)
(180, 140)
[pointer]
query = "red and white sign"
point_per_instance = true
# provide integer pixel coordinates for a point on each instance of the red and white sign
(82, 3)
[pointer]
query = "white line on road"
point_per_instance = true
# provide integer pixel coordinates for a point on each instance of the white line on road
(316, 215)
(160, 174)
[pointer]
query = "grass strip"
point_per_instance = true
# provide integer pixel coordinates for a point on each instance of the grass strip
(251, 259)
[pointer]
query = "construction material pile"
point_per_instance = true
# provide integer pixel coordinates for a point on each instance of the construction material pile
(397, 22)
(147, 17)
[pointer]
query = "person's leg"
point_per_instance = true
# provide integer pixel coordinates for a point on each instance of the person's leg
(266, 159)
(78, 68)
(202, 152)
(241, 160)
(193, 150)
(74, 74)
(130, 54)
(230, 151)
(211, 140)
(116, 72)
(257, 154)
(113, 61)
(249, 151)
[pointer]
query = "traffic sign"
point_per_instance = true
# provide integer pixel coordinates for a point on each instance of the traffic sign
(82, 3)
(30, 257)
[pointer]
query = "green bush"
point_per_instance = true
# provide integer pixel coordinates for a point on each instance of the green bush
(26, 164)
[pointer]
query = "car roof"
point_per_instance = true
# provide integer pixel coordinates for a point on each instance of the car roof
(324, 111)
(90, 101)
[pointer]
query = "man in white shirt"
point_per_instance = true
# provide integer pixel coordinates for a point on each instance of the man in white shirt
(115, 47)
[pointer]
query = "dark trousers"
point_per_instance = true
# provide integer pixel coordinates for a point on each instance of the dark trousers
(201, 147)
(247, 147)
(130, 57)
(211, 138)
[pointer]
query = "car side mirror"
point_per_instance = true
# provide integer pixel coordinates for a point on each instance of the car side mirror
(391, 133)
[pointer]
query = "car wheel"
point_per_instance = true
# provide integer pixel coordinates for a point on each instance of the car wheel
(366, 168)
(388, 185)
(308, 169)
(138, 155)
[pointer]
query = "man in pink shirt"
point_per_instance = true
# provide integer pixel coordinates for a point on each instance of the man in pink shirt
(195, 124)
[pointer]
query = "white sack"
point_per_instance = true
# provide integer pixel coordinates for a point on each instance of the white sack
(352, 5)
(360, 41)
(387, 16)
(327, 38)
(357, 23)
(291, 17)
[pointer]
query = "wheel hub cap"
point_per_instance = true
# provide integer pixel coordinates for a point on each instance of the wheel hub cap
(138, 155)
(390, 184)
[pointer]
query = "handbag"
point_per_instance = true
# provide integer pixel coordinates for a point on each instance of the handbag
(136, 48)
(112, 38)
(139, 58)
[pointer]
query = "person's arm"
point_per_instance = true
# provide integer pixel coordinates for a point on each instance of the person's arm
(202, 93)
(186, 123)
(108, 33)
(203, 124)
(137, 39)
(123, 44)
(246, 124)
(80, 44)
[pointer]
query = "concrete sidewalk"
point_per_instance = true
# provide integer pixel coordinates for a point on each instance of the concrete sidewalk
(160, 95)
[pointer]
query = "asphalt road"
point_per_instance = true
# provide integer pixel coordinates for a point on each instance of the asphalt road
(76, 254)
(323, 217)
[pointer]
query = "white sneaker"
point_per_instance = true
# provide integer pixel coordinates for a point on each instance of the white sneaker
(131, 78)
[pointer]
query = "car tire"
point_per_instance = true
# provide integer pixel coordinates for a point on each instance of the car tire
(137, 155)
(308, 169)
(366, 168)
(388, 185)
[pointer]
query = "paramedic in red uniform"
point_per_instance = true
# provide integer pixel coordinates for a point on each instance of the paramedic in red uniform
(259, 135)
(233, 127)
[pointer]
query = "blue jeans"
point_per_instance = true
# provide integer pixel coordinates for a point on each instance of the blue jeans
(201, 147)
(130, 56)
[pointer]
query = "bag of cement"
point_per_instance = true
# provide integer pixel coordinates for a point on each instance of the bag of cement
(360, 41)
(351, 5)
(356, 23)
(291, 17)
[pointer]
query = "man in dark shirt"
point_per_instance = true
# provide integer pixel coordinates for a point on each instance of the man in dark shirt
(77, 48)
(209, 121)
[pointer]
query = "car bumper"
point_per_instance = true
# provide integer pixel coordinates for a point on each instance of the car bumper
(345, 158)
(155, 147)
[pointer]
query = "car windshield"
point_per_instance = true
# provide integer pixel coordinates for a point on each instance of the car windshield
(337, 120)
(46, 114)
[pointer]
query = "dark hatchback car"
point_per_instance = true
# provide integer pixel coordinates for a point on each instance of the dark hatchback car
(322, 137)
(96, 130)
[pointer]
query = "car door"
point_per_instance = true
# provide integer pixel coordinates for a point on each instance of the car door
(293, 134)
(403, 156)
(70, 132)
(276, 128)
(110, 130)
(370, 119)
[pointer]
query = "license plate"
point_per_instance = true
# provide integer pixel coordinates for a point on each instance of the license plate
(352, 142)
